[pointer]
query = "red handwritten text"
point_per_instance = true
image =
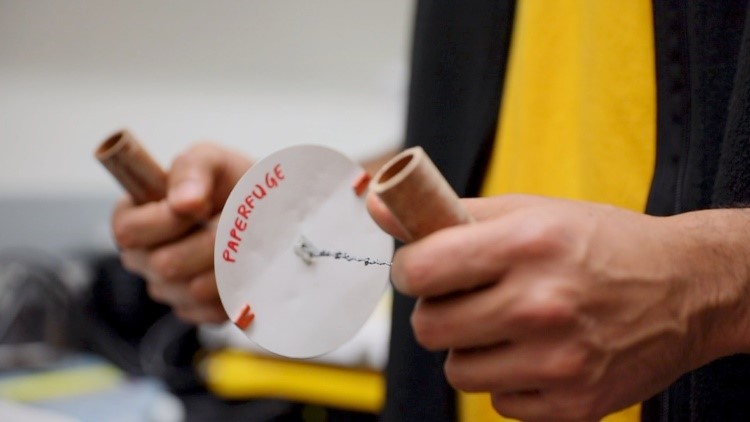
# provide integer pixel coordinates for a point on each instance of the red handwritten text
(255, 196)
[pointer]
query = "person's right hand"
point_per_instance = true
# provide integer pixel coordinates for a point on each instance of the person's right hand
(570, 310)
(170, 242)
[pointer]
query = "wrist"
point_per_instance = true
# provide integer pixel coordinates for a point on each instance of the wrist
(713, 265)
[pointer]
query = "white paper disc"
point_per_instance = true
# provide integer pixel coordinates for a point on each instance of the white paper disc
(300, 310)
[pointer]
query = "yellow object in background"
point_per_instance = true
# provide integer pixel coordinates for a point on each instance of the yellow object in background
(61, 383)
(234, 374)
(578, 116)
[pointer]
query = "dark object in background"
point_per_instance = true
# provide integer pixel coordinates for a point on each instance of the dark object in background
(117, 314)
(50, 305)
(35, 310)
(119, 298)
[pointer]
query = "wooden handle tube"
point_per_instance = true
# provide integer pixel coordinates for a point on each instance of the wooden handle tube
(133, 167)
(417, 194)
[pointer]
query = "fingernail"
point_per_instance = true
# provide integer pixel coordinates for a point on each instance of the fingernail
(187, 191)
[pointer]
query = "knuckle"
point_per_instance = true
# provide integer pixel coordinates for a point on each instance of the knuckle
(542, 237)
(410, 275)
(218, 315)
(130, 259)
(503, 405)
(200, 290)
(198, 151)
(565, 366)
(427, 333)
(156, 292)
(582, 413)
(165, 264)
(455, 377)
(458, 377)
(188, 155)
(205, 146)
(545, 308)
(577, 407)
(184, 315)
(128, 262)
(197, 291)
(123, 233)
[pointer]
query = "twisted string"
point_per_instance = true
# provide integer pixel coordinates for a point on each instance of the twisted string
(307, 252)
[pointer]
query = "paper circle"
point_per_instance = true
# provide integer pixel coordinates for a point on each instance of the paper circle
(299, 309)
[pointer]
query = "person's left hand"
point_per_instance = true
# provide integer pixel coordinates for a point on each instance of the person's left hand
(562, 310)
(170, 242)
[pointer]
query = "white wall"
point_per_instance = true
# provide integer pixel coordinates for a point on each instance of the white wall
(257, 75)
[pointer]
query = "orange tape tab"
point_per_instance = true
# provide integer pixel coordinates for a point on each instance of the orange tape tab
(361, 183)
(244, 317)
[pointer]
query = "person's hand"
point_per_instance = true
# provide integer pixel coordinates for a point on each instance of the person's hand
(170, 242)
(567, 310)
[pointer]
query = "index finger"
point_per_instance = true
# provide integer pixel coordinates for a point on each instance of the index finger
(455, 259)
(480, 208)
(147, 225)
(495, 206)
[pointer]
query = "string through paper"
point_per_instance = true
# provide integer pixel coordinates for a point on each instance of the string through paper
(305, 250)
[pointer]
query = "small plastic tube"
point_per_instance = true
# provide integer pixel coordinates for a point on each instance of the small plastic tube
(418, 195)
(132, 166)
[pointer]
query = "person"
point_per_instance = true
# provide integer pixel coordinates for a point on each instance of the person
(564, 301)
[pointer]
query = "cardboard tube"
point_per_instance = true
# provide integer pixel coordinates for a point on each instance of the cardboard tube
(418, 195)
(133, 167)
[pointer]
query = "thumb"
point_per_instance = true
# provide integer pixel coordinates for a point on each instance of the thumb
(201, 179)
(191, 179)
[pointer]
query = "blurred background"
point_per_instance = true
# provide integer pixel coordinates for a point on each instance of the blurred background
(255, 75)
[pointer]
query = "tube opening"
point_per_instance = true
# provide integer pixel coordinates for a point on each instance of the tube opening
(117, 142)
(395, 168)
(109, 143)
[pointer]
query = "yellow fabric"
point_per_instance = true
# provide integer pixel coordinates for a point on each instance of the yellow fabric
(578, 115)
